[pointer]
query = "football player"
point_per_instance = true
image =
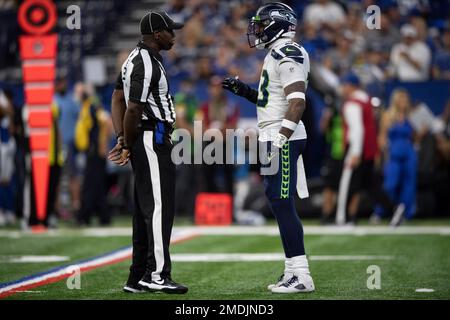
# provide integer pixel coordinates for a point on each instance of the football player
(280, 101)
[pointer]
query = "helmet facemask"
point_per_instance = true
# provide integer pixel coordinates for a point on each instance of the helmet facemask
(269, 24)
(255, 32)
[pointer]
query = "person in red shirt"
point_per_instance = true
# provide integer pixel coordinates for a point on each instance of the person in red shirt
(360, 139)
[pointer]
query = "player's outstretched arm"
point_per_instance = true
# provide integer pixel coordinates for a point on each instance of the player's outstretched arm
(239, 88)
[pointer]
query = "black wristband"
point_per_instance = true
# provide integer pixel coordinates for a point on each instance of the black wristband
(126, 147)
(120, 134)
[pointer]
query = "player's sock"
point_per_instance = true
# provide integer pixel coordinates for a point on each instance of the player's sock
(299, 279)
(299, 264)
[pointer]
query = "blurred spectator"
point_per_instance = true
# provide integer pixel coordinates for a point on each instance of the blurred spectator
(324, 13)
(68, 104)
(442, 185)
(218, 113)
(56, 162)
(410, 59)
(177, 9)
(426, 126)
(444, 136)
(93, 131)
(204, 70)
(361, 150)
(423, 121)
(396, 140)
(441, 63)
(372, 71)
(19, 156)
(420, 25)
(224, 57)
(7, 151)
(331, 125)
(9, 32)
(313, 41)
(382, 39)
(246, 67)
(340, 59)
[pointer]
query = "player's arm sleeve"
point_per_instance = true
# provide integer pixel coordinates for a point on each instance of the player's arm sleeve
(353, 118)
(291, 72)
(140, 83)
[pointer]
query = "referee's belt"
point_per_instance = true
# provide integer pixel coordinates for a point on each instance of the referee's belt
(163, 127)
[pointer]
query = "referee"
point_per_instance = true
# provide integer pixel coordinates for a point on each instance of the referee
(143, 117)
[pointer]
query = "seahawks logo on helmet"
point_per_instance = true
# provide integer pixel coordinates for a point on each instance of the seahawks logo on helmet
(271, 22)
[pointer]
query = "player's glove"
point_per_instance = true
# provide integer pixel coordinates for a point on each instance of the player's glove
(280, 140)
(239, 88)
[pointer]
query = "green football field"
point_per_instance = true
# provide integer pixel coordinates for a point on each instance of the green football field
(213, 262)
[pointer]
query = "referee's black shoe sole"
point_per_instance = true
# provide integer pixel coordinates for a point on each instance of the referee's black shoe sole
(133, 288)
(166, 286)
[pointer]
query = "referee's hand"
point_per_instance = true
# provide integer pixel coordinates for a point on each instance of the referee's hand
(118, 155)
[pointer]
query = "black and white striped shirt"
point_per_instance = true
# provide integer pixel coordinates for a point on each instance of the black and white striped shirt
(144, 81)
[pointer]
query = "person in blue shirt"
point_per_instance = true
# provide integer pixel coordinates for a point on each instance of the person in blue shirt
(69, 108)
(396, 140)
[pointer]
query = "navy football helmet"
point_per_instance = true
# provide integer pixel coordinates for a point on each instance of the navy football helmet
(271, 22)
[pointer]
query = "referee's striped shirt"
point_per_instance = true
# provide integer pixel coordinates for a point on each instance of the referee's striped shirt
(144, 81)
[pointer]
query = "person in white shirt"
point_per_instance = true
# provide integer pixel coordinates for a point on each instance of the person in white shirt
(324, 12)
(410, 60)
(280, 102)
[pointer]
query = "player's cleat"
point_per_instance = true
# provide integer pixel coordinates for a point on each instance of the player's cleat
(133, 288)
(279, 282)
(164, 285)
(398, 216)
(297, 283)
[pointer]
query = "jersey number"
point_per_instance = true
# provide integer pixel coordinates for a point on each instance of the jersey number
(265, 94)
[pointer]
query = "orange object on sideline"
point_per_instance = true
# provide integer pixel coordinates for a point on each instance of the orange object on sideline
(38, 51)
(40, 141)
(39, 95)
(39, 72)
(39, 118)
(38, 47)
(41, 171)
(39, 228)
(214, 209)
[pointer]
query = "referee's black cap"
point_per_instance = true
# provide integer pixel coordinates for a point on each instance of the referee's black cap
(155, 21)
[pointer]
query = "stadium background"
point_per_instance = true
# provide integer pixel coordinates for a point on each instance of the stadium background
(213, 43)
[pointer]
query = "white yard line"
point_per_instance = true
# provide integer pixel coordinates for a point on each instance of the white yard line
(243, 230)
(426, 290)
(348, 258)
(32, 259)
(321, 230)
(236, 257)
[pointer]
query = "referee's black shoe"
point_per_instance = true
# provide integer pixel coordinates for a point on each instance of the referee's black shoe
(133, 288)
(165, 285)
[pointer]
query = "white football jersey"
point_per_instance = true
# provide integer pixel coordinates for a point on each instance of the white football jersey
(286, 62)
